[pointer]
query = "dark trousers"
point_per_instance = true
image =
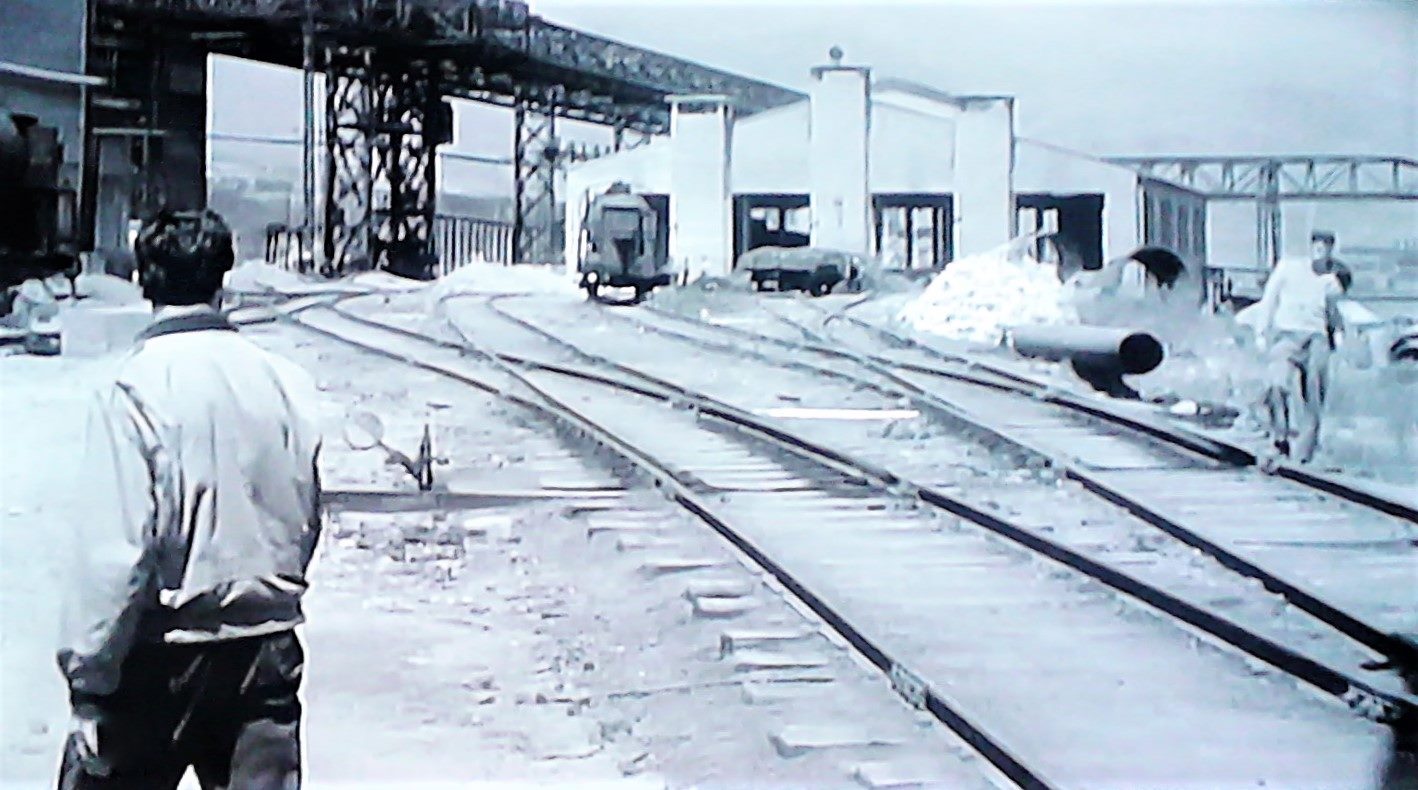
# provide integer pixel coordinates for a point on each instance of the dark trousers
(228, 710)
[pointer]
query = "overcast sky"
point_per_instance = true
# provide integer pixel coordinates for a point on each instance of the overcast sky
(1135, 77)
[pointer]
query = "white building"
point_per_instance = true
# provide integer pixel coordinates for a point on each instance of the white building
(915, 175)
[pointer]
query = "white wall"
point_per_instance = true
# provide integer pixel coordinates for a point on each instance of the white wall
(701, 220)
(1045, 169)
(838, 170)
(909, 150)
(771, 151)
(913, 141)
(912, 149)
(984, 175)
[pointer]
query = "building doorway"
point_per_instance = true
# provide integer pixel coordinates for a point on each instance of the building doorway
(1075, 225)
(770, 220)
(913, 231)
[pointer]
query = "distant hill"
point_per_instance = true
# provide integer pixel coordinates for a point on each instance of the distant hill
(253, 185)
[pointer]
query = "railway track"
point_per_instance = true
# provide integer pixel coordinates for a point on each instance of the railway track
(1347, 558)
(1101, 539)
(838, 534)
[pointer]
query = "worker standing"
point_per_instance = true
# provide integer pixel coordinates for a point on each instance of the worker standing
(177, 635)
(1298, 319)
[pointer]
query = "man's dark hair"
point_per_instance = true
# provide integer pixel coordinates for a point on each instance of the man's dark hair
(1322, 235)
(182, 256)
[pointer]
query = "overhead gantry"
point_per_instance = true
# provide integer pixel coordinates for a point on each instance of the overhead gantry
(388, 66)
(1268, 181)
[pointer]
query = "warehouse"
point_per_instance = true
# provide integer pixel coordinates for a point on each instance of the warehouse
(946, 176)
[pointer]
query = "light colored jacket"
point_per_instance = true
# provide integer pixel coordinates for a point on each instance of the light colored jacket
(202, 498)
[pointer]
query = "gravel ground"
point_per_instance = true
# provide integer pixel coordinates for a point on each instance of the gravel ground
(477, 646)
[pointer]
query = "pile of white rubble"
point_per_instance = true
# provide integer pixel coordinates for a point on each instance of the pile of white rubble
(976, 297)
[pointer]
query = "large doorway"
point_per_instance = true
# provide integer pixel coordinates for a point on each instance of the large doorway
(770, 220)
(1075, 225)
(913, 231)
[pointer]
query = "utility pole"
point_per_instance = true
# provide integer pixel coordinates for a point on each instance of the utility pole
(308, 236)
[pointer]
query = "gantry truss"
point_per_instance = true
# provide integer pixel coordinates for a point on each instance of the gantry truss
(1329, 177)
(1270, 180)
(379, 167)
(486, 50)
(535, 152)
(389, 63)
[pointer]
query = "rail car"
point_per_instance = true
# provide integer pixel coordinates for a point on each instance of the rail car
(620, 245)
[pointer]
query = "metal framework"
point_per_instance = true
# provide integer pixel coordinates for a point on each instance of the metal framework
(388, 62)
(1285, 177)
(485, 50)
(535, 154)
(350, 118)
(380, 167)
(1270, 180)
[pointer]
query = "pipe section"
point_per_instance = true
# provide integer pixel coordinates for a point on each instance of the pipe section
(1125, 350)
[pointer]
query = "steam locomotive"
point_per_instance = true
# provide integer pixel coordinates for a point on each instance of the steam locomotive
(37, 233)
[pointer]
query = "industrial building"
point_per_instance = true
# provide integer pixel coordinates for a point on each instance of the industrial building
(909, 173)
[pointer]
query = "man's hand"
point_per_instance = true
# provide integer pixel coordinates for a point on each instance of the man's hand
(83, 732)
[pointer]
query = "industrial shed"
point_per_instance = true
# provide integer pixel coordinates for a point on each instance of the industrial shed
(946, 174)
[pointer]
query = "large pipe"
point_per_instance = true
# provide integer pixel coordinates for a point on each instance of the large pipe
(1129, 350)
(1099, 355)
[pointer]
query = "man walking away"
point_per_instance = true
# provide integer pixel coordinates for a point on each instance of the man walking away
(201, 479)
(1298, 318)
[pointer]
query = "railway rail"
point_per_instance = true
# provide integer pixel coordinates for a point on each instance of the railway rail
(1374, 607)
(1125, 459)
(860, 505)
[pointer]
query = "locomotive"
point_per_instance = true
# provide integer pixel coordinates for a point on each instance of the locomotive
(620, 244)
(37, 233)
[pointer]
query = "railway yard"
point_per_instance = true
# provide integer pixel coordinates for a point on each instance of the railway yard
(729, 542)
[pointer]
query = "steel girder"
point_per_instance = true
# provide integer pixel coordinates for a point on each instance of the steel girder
(1324, 177)
(486, 49)
(380, 167)
(1270, 180)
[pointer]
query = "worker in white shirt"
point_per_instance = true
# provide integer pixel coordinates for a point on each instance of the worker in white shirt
(177, 635)
(1298, 319)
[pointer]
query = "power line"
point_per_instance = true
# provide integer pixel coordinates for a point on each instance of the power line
(229, 137)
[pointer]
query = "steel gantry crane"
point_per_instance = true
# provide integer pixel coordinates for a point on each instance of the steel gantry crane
(388, 65)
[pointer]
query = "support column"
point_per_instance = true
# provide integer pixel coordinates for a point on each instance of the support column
(839, 133)
(701, 234)
(1268, 238)
(145, 133)
(350, 121)
(115, 180)
(535, 232)
(180, 117)
(984, 174)
(382, 129)
(404, 230)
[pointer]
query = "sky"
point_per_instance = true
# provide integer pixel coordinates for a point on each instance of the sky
(1109, 78)
(1240, 76)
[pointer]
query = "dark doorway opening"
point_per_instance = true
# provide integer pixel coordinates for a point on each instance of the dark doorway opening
(1077, 225)
(770, 220)
(913, 231)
